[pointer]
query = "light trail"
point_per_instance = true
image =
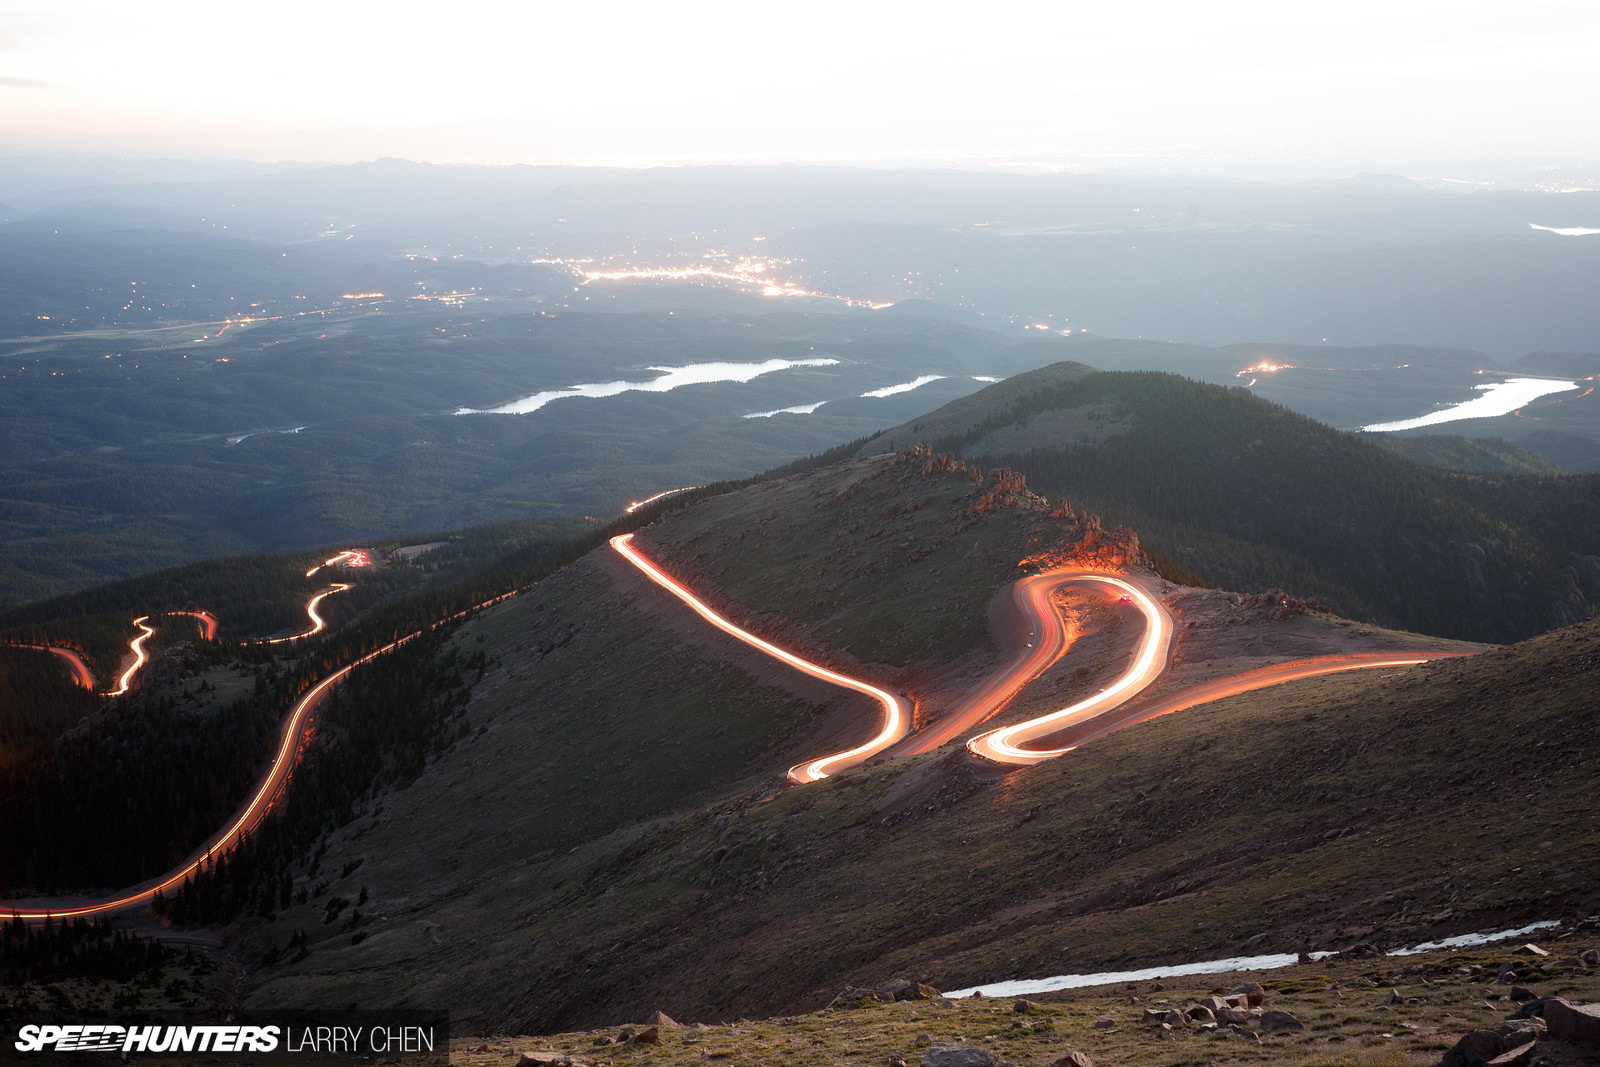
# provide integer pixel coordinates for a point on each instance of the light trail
(292, 736)
(208, 622)
(896, 710)
(139, 657)
(317, 624)
(1149, 663)
(1233, 685)
(637, 504)
(81, 674)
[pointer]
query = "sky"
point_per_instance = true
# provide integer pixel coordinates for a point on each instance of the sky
(1407, 85)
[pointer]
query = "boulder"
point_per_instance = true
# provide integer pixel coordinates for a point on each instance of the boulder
(1105, 1022)
(856, 998)
(1574, 1022)
(650, 1035)
(895, 990)
(1153, 1015)
(1253, 993)
(1074, 1059)
(1591, 957)
(1233, 1016)
(1200, 1013)
(918, 991)
(1474, 1049)
(1362, 951)
(1522, 994)
(1280, 1020)
(958, 1056)
(1394, 998)
(663, 1020)
(1023, 1006)
(1529, 950)
(1517, 1057)
(1518, 1032)
(550, 1059)
(1216, 1004)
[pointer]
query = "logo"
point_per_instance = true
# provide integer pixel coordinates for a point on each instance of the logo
(87, 1038)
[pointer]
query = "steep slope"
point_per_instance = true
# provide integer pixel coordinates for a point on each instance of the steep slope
(1249, 495)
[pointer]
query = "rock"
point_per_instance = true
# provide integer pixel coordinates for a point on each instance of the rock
(1235, 1000)
(1249, 1035)
(1521, 1031)
(605, 1039)
(663, 1020)
(1360, 952)
(1574, 1022)
(1216, 1004)
(1074, 1059)
(1474, 1049)
(896, 1061)
(895, 990)
(924, 1039)
(482, 1048)
(1534, 1009)
(1151, 1015)
(1253, 993)
(1522, 994)
(1023, 1006)
(958, 1056)
(650, 1035)
(1529, 950)
(1507, 978)
(1105, 1022)
(856, 998)
(550, 1059)
(918, 991)
(1280, 1020)
(1233, 1016)
(1200, 1013)
(1591, 957)
(1517, 1057)
(1394, 997)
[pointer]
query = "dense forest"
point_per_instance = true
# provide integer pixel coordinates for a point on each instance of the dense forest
(1248, 495)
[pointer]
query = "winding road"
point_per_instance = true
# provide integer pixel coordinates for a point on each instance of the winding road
(1110, 709)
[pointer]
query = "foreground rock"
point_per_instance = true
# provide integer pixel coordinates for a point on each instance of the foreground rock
(958, 1056)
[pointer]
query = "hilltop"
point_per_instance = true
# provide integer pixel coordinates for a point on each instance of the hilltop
(1249, 495)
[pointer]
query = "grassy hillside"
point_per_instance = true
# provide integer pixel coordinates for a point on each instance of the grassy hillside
(1248, 495)
(1490, 455)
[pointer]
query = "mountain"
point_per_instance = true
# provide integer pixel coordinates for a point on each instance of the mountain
(1248, 495)
(612, 829)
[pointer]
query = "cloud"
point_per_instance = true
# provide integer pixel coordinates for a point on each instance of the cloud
(22, 83)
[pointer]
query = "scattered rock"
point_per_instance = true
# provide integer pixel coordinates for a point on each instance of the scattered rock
(605, 1039)
(1529, 950)
(1474, 1049)
(550, 1059)
(1074, 1059)
(1362, 951)
(1253, 992)
(482, 1048)
(1574, 1022)
(856, 998)
(958, 1056)
(1280, 1020)
(1105, 1022)
(1023, 1006)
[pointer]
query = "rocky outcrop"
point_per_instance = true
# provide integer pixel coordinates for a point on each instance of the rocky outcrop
(1524, 1037)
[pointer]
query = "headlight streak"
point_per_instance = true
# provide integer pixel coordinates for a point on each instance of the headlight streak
(897, 711)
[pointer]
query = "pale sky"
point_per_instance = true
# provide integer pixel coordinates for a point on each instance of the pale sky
(1400, 84)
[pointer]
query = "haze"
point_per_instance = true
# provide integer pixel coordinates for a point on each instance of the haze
(1253, 88)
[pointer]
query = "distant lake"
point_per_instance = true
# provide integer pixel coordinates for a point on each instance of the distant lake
(1499, 398)
(670, 378)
